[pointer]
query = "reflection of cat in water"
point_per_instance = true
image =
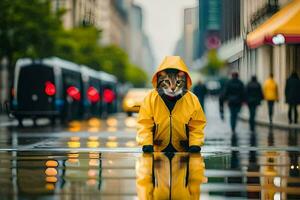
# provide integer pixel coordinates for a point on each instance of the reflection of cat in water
(170, 176)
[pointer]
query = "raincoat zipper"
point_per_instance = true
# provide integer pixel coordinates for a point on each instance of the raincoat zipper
(170, 142)
(170, 116)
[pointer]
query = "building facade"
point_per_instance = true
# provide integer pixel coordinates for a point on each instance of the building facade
(187, 45)
(109, 16)
(140, 51)
(148, 58)
(264, 59)
(77, 12)
(209, 25)
(136, 29)
(120, 22)
(190, 34)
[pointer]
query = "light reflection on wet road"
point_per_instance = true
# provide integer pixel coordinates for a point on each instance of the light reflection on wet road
(99, 159)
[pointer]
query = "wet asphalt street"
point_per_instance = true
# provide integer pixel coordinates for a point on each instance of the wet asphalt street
(99, 159)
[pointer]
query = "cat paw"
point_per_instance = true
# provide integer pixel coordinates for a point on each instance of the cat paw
(194, 149)
(148, 148)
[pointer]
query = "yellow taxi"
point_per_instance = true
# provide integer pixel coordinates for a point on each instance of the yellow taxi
(133, 100)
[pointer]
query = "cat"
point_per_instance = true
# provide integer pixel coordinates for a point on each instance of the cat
(172, 82)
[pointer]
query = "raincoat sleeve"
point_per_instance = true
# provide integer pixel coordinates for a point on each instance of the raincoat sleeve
(196, 125)
(145, 123)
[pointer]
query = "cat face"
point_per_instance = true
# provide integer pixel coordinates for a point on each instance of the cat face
(172, 82)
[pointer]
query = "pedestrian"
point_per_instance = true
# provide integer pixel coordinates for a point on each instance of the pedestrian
(223, 82)
(270, 95)
(292, 95)
(200, 91)
(234, 94)
(221, 106)
(171, 118)
(254, 96)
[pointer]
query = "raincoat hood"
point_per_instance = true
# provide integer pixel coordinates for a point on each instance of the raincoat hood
(172, 62)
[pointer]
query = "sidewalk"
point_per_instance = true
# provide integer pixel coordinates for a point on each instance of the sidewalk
(3, 118)
(5, 121)
(279, 121)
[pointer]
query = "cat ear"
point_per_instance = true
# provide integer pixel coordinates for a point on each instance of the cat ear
(162, 73)
(181, 73)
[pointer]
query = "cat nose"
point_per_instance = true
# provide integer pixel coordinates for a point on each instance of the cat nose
(173, 89)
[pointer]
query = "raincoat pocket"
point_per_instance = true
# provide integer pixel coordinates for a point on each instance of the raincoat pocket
(185, 143)
(186, 130)
(155, 131)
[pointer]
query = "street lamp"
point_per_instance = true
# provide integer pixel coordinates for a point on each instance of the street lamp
(278, 39)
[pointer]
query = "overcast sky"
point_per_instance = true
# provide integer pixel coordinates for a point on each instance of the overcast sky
(163, 23)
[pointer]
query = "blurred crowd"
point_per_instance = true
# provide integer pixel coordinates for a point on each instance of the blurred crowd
(236, 94)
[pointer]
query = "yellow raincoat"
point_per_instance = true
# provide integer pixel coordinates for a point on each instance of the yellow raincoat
(183, 127)
(160, 178)
(270, 90)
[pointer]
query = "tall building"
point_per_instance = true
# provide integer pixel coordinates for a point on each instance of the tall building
(148, 58)
(77, 12)
(120, 21)
(119, 30)
(179, 47)
(136, 31)
(140, 51)
(230, 32)
(110, 16)
(209, 25)
(190, 34)
(187, 45)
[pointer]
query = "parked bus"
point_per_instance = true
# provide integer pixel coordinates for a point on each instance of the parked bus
(109, 91)
(56, 88)
(92, 87)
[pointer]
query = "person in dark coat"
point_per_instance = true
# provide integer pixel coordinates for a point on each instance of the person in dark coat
(234, 94)
(223, 82)
(254, 96)
(200, 91)
(292, 94)
(221, 106)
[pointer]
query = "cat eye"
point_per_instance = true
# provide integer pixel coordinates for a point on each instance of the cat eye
(167, 82)
(178, 82)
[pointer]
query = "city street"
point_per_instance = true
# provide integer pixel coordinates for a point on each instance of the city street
(99, 159)
(149, 100)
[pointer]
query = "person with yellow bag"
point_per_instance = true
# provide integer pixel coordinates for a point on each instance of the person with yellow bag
(171, 118)
(270, 90)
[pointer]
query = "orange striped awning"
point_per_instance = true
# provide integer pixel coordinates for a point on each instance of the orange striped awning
(282, 28)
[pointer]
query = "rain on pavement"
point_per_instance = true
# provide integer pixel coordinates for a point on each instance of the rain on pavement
(99, 159)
